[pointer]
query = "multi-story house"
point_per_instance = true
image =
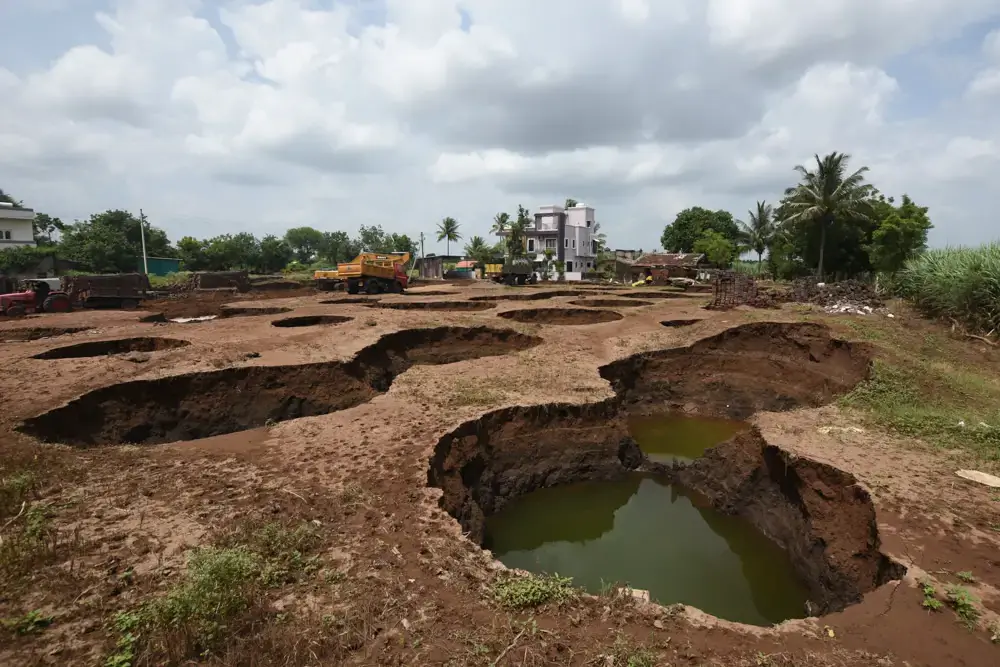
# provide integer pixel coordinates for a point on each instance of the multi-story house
(15, 226)
(568, 233)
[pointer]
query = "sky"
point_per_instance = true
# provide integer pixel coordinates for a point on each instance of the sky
(221, 116)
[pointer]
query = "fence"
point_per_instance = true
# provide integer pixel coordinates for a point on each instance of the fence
(731, 289)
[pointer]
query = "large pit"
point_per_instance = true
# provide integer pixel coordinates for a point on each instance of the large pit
(562, 316)
(37, 333)
(611, 303)
(755, 534)
(199, 405)
(435, 305)
(351, 299)
(529, 296)
(101, 348)
(310, 320)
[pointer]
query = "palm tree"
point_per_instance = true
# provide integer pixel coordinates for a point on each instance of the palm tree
(827, 194)
(756, 235)
(477, 249)
(448, 231)
(501, 221)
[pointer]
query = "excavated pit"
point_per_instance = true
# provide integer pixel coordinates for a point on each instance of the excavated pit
(435, 305)
(822, 520)
(251, 311)
(564, 316)
(37, 333)
(100, 348)
(611, 303)
(530, 296)
(352, 299)
(200, 405)
(310, 320)
(651, 295)
(680, 323)
(433, 292)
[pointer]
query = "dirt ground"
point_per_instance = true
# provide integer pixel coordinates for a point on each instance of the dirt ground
(339, 447)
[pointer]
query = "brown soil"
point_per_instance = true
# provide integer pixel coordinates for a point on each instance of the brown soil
(434, 305)
(651, 294)
(432, 292)
(746, 369)
(37, 333)
(310, 320)
(202, 303)
(611, 303)
(352, 299)
(528, 296)
(100, 348)
(679, 323)
(201, 405)
(561, 316)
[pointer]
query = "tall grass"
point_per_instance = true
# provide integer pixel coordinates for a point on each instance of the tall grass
(956, 283)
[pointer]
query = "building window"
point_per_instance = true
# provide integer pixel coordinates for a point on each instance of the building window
(569, 266)
(565, 243)
(6, 234)
(574, 244)
(531, 245)
(550, 244)
(588, 223)
(588, 265)
(593, 247)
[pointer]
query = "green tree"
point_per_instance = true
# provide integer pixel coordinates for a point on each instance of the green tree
(9, 199)
(111, 242)
(448, 232)
(338, 247)
(570, 202)
(756, 234)
(305, 242)
(901, 233)
(518, 229)
(402, 243)
(828, 194)
(478, 249)
(692, 223)
(192, 253)
(245, 252)
(44, 226)
(274, 254)
(717, 248)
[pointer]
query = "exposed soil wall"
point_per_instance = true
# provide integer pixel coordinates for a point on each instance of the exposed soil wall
(352, 299)
(100, 348)
(487, 462)
(199, 405)
(819, 514)
(679, 323)
(568, 316)
(36, 333)
(529, 296)
(611, 303)
(310, 320)
(435, 305)
(760, 366)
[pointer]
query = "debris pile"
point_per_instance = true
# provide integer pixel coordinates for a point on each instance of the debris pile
(846, 294)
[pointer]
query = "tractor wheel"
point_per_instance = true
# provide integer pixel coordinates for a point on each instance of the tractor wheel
(57, 304)
(16, 311)
(353, 287)
(372, 287)
(130, 304)
(397, 287)
(533, 279)
(509, 280)
(521, 279)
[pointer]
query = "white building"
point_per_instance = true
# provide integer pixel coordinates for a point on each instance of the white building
(568, 233)
(15, 226)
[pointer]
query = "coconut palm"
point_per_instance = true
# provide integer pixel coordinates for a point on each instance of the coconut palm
(448, 231)
(501, 222)
(827, 194)
(477, 249)
(756, 234)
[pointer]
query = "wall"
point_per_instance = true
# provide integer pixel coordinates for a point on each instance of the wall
(19, 227)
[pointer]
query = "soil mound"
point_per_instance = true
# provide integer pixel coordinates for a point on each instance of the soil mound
(199, 405)
(100, 348)
(760, 366)
(568, 316)
(679, 323)
(435, 305)
(310, 320)
(36, 333)
(529, 296)
(611, 303)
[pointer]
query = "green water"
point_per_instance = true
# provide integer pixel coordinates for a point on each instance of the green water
(665, 438)
(647, 534)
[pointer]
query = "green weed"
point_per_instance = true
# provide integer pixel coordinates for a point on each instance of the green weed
(966, 576)
(930, 601)
(527, 591)
(30, 623)
(964, 603)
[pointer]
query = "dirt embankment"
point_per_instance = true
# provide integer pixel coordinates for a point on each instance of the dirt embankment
(819, 514)
(529, 296)
(611, 303)
(199, 405)
(202, 304)
(100, 348)
(20, 335)
(566, 316)
(311, 320)
(434, 305)
(762, 366)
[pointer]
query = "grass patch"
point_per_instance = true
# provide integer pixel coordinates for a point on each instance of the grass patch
(930, 601)
(934, 401)
(964, 603)
(527, 591)
(29, 624)
(222, 595)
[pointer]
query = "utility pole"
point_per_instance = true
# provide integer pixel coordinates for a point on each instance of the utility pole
(142, 235)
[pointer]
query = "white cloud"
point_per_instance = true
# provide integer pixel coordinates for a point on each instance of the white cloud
(264, 114)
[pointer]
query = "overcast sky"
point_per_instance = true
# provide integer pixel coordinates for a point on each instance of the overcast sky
(223, 116)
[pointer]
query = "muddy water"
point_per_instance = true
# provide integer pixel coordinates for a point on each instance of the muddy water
(666, 438)
(647, 534)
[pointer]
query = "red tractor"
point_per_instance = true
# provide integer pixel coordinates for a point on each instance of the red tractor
(37, 297)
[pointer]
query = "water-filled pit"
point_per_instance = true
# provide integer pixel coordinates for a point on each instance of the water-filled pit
(741, 529)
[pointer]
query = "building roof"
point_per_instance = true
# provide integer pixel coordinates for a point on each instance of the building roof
(656, 259)
(466, 264)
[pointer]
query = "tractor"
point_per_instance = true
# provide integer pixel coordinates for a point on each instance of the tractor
(37, 297)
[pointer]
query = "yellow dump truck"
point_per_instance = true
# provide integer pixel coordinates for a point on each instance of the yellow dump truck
(371, 272)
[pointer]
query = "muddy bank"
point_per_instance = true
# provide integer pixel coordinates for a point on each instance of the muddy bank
(489, 461)
(199, 405)
(100, 348)
(760, 366)
(819, 514)
(565, 316)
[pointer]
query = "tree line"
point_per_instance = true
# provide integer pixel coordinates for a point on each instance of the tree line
(832, 221)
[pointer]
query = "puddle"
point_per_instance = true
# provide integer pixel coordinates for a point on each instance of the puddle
(648, 534)
(677, 437)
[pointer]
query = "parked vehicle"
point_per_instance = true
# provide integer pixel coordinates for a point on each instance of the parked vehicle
(55, 295)
(372, 272)
(514, 271)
